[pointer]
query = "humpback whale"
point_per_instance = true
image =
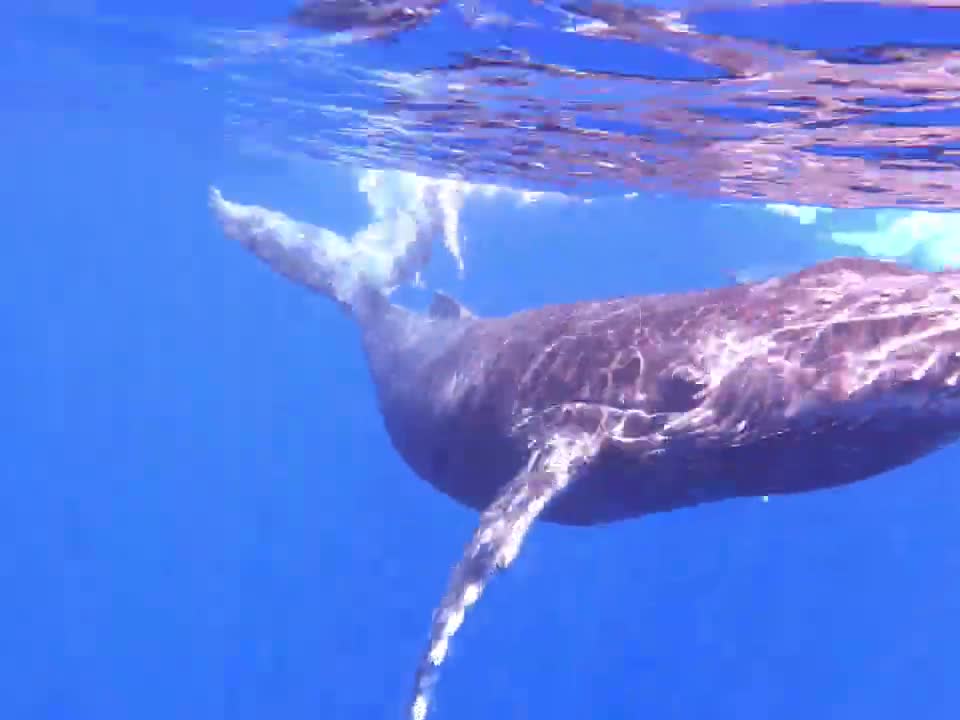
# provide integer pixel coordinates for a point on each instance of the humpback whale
(369, 19)
(597, 412)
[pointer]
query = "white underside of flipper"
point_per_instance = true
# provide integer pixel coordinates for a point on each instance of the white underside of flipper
(495, 544)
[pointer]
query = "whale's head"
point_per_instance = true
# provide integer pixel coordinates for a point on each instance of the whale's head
(831, 375)
(878, 337)
(839, 344)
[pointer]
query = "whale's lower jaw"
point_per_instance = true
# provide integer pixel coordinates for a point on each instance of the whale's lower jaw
(471, 458)
(618, 486)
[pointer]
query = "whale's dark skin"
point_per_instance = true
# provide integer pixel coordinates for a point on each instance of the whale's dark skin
(815, 380)
(456, 393)
(595, 412)
(369, 18)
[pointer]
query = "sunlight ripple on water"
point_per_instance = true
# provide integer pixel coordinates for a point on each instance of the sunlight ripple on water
(787, 102)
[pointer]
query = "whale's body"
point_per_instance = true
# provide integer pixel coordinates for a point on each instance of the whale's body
(595, 412)
(818, 379)
(368, 19)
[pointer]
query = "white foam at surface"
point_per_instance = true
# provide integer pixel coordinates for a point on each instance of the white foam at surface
(804, 214)
(931, 239)
(394, 191)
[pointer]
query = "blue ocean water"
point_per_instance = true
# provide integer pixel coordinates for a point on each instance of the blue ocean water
(202, 516)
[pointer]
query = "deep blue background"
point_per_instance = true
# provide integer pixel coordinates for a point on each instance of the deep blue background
(202, 517)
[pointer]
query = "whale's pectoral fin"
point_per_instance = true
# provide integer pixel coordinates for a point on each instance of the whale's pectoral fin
(495, 544)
